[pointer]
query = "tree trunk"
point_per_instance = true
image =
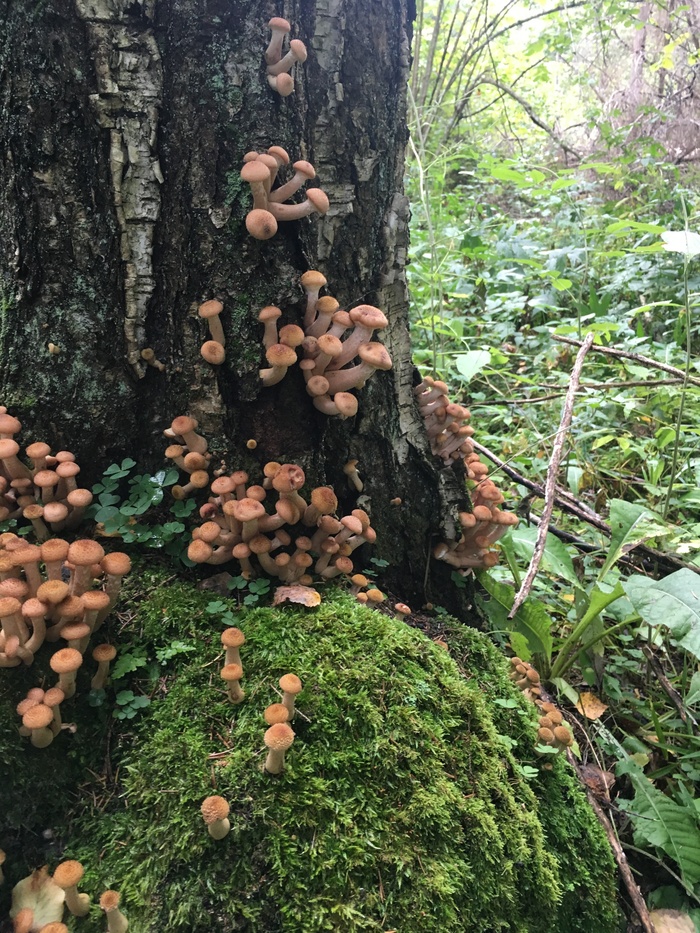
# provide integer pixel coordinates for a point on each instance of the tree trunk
(124, 126)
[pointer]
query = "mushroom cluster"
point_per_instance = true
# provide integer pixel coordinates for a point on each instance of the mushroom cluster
(525, 678)
(329, 363)
(45, 493)
(449, 436)
(188, 452)
(43, 606)
(260, 172)
(279, 66)
(552, 730)
(39, 901)
(238, 526)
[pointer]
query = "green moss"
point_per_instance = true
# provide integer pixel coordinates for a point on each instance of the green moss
(401, 806)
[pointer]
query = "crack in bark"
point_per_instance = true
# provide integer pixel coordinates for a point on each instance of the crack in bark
(129, 93)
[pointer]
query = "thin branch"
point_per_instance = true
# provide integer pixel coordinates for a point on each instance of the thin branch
(552, 472)
(538, 121)
(635, 357)
(620, 857)
(673, 695)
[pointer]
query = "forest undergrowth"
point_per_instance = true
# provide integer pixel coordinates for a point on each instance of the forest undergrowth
(513, 263)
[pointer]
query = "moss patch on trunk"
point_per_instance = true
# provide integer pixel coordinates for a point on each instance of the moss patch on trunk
(402, 805)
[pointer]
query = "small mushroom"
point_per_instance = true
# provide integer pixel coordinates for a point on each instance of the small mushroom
(210, 311)
(280, 358)
(116, 921)
(278, 738)
(213, 352)
(65, 663)
(261, 224)
(279, 28)
(104, 655)
(232, 674)
(290, 685)
(215, 811)
(67, 876)
(232, 639)
(37, 719)
(316, 202)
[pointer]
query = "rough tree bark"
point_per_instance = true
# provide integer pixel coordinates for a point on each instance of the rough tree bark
(123, 127)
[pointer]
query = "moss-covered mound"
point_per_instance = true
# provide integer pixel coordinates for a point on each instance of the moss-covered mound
(401, 806)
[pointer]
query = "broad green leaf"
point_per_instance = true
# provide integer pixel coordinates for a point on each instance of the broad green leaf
(693, 690)
(602, 441)
(682, 241)
(622, 226)
(659, 821)
(556, 559)
(630, 524)
(673, 602)
(532, 621)
(470, 363)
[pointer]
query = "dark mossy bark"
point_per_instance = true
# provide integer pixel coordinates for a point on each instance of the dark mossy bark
(123, 129)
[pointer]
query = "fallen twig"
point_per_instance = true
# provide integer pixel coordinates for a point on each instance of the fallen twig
(673, 694)
(620, 857)
(635, 357)
(551, 480)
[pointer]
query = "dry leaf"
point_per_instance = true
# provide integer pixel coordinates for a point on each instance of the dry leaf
(671, 921)
(591, 706)
(296, 593)
(600, 782)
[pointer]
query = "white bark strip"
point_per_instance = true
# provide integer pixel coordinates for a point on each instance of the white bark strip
(129, 91)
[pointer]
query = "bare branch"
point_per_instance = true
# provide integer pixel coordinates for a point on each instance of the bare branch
(551, 481)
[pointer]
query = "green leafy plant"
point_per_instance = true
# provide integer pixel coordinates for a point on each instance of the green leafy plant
(124, 501)
(249, 592)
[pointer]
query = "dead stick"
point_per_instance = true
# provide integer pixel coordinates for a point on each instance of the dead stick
(635, 357)
(674, 696)
(551, 480)
(620, 857)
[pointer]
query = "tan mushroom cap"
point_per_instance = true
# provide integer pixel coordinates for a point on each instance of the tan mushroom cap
(54, 549)
(279, 737)
(255, 172)
(210, 308)
(232, 638)
(214, 808)
(290, 683)
(109, 900)
(56, 926)
(9, 606)
(319, 199)
(231, 672)
(313, 279)
(9, 424)
(104, 653)
(211, 350)
(55, 512)
(116, 564)
(199, 551)
(53, 592)
(276, 713)
(346, 404)
(54, 696)
(37, 717)
(279, 354)
(85, 552)
(260, 223)
(65, 661)
(95, 600)
(68, 874)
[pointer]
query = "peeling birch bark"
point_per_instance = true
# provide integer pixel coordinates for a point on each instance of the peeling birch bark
(129, 92)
